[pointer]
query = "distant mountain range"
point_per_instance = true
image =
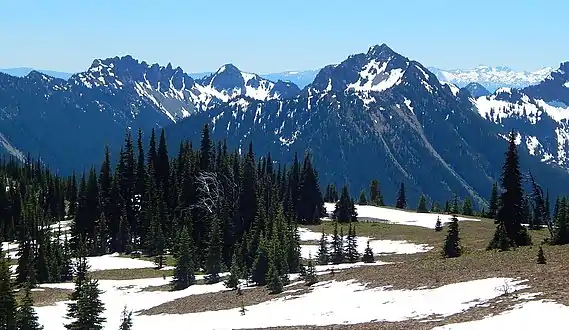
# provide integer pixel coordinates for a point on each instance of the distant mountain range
(492, 78)
(375, 114)
(20, 72)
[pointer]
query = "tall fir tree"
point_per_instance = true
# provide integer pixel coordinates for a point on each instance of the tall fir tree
(323, 256)
(422, 206)
(27, 318)
(467, 207)
(510, 213)
(363, 199)
(8, 306)
(184, 271)
(401, 202)
(375, 196)
(214, 254)
(493, 208)
(337, 248)
(345, 210)
(452, 247)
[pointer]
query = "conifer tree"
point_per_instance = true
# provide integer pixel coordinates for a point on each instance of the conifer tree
(88, 308)
(401, 202)
(345, 210)
(561, 231)
(438, 224)
(422, 207)
(362, 200)
(322, 258)
(25, 271)
(337, 253)
(261, 263)
(126, 319)
(541, 256)
(184, 273)
(214, 253)
(368, 255)
(27, 318)
(455, 207)
(452, 246)
(234, 273)
(8, 306)
(510, 212)
(274, 280)
(467, 207)
(310, 278)
(375, 193)
(493, 209)
(351, 251)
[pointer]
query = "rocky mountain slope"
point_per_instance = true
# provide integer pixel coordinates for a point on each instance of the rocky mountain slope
(376, 114)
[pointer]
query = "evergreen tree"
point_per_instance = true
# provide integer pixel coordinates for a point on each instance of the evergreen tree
(467, 207)
(401, 202)
(438, 224)
(510, 212)
(345, 210)
(422, 207)
(233, 279)
(126, 319)
(541, 256)
(310, 278)
(274, 279)
(261, 263)
(214, 254)
(184, 274)
(322, 257)
(88, 308)
(351, 250)
(493, 209)
(337, 253)
(561, 232)
(368, 255)
(455, 207)
(25, 271)
(8, 307)
(375, 193)
(452, 246)
(27, 318)
(363, 199)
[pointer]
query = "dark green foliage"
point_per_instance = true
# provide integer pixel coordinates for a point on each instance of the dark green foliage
(351, 250)
(310, 278)
(422, 206)
(8, 307)
(184, 273)
(126, 319)
(337, 251)
(467, 207)
(561, 217)
(323, 256)
(541, 256)
(27, 318)
(401, 202)
(368, 257)
(438, 224)
(375, 196)
(312, 207)
(362, 200)
(345, 210)
(88, 308)
(510, 213)
(331, 195)
(233, 279)
(455, 206)
(214, 254)
(493, 209)
(261, 263)
(452, 248)
(500, 241)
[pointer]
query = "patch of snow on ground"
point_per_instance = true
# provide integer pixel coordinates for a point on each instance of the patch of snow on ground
(378, 246)
(530, 315)
(355, 306)
(113, 261)
(401, 217)
(120, 293)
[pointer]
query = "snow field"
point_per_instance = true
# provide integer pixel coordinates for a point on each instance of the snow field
(378, 246)
(357, 305)
(401, 217)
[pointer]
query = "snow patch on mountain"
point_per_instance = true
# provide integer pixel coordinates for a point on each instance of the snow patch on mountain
(374, 77)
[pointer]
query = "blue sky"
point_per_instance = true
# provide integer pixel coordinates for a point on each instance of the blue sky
(271, 36)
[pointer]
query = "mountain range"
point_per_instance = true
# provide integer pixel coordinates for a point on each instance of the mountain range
(376, 114)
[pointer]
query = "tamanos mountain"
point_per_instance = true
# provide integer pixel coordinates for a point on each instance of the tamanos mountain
(375, 115)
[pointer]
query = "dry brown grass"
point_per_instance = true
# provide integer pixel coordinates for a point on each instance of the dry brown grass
(46, 296)
(129, 274)
(223, 300)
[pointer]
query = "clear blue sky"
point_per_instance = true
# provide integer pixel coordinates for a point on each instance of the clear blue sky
(271, 36)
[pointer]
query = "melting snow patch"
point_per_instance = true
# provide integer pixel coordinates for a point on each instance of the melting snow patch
(113, 261)
(530, 315)
(384, 214)
(357, 305)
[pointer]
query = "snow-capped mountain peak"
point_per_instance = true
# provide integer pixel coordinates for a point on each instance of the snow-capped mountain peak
(229, 82)
(492, 78)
